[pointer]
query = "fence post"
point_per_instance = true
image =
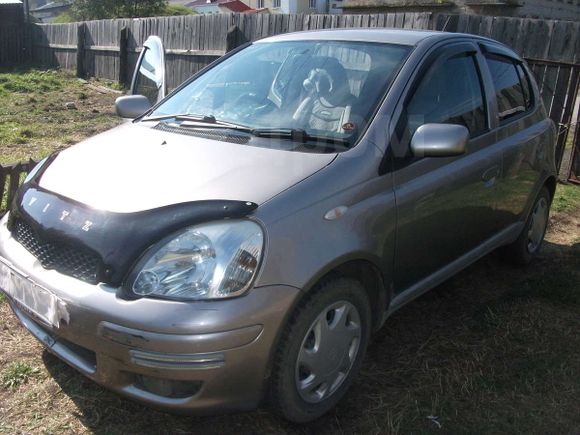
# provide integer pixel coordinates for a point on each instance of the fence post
(123, 56)
(81, 37)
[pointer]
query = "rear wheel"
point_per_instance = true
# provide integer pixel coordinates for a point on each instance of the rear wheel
(321, 350)
(528, 244)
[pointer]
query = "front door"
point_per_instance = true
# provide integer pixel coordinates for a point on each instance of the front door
(445, 204)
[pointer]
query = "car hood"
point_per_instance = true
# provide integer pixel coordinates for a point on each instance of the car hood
(134, 168)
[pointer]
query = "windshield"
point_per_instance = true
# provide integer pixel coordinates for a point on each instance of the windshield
(323, 89)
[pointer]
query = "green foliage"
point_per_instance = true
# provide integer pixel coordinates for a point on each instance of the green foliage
(65, 17)
(101, 9)
(171, 10)
(16, 374)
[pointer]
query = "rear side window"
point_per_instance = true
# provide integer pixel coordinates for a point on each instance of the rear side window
(451, 93)
(511, 97)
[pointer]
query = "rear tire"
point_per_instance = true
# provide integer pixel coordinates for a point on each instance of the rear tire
(528, 244)
(321, 350)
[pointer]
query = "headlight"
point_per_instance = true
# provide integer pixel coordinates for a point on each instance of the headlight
(209, 261)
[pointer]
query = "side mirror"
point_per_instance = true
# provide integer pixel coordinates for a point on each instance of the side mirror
(132, 106)
(439, 140)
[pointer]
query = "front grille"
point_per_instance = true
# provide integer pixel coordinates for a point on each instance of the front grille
(223, 135)
(63, 258)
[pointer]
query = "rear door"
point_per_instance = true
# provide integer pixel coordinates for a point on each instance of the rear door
(522, 133)
(445, 205)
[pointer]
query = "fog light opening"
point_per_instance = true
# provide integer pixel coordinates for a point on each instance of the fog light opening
(174, 389)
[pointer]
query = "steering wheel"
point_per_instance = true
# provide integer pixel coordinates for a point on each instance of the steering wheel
(249, 104)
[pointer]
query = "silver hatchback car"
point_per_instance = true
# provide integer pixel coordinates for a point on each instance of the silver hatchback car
(241, 240)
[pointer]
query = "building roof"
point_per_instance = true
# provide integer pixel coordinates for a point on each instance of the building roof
(10, 2)
(235, 6)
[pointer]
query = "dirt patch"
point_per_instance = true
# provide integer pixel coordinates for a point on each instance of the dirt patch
(564, 228)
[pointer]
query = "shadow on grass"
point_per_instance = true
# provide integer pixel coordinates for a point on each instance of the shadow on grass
(494, 349)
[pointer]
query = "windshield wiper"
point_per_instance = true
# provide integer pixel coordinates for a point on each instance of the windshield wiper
(175, 115)
(298, 135)
(203, 121)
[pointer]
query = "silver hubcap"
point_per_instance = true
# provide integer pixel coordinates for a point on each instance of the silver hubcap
(328, 352)
(537, 225)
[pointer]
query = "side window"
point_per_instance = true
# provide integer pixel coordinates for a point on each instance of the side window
(509, 91)
(451, 93)
(148, 82)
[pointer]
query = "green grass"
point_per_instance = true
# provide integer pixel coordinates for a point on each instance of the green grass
(31, 82)
(16, 374)
(567, 198)
(34, 119)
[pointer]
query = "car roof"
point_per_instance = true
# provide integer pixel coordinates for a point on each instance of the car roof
(392, 36)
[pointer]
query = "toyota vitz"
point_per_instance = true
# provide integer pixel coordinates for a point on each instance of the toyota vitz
(243, 237)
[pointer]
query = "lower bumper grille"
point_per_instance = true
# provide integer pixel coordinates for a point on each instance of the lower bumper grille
(61, 257)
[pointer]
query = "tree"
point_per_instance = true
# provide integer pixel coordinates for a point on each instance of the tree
(101, 9)
(171, 10)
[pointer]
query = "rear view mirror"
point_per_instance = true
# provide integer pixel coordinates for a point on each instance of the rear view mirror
(132, 106)
(439, 140)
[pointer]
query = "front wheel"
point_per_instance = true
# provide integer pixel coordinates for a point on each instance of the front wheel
(528, 244)
(321, 350)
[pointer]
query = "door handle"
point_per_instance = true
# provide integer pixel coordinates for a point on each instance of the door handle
(489, 176)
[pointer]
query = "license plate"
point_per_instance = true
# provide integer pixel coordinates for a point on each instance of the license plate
(32, 298)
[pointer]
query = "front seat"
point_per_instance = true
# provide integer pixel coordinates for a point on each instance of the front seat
(328, 102)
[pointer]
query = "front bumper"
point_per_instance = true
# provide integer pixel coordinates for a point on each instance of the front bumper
(191, 357)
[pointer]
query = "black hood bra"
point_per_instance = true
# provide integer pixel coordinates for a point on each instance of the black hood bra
(56, 229)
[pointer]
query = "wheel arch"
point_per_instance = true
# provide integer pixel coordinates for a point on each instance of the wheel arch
(364, 270)
(361, 268)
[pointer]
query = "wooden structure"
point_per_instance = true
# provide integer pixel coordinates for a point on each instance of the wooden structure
(10, 178)
(12, 37)
(110, 48)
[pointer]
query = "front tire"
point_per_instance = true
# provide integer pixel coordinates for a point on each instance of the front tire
(321, 350)
(528, 244)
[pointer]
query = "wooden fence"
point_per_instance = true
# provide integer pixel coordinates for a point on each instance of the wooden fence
(94, 48)
(10, 178)
(110, 48)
